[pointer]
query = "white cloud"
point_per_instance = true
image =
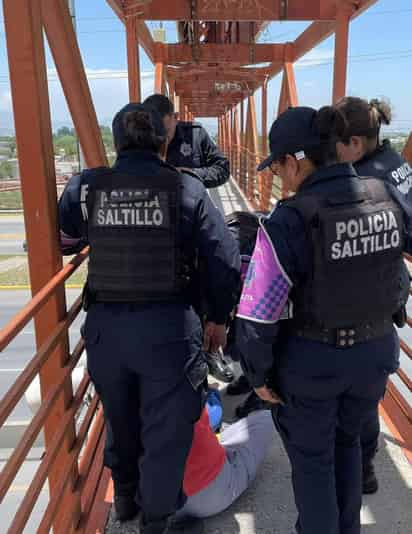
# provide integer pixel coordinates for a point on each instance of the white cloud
(315, 57)
(5, 101)
(109, 90)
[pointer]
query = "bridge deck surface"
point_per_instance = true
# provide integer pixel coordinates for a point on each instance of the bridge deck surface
(268, 506)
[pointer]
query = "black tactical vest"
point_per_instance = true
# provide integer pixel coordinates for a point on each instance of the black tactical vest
(387, 164)
(356, 234)
(132, 230)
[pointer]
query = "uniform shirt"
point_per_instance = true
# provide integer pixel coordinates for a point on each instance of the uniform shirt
(202, 228)
(262, 345)
(192, 147)
(206, 458)
(390, 166)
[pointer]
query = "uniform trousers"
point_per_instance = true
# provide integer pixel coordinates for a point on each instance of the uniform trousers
(144, 363)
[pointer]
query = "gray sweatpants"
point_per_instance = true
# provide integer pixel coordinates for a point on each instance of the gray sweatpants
(246, 443)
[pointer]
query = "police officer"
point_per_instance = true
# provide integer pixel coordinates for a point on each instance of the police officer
(147, 226)
(190, 146)
(334, 250)
(371, 157)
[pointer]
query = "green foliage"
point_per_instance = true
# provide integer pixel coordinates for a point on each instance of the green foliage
(6, 170)
(66, 144)
(65, 140)
(107, 138)
(65, 131)
(8, 146)
(11, 200)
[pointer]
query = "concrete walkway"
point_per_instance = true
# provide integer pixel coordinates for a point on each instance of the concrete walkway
(268, 506)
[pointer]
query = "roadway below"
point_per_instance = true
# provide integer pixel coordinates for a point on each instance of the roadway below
(22, 349)
(12, 234)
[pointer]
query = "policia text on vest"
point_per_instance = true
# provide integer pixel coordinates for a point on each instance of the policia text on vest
(366, 235)
(131, 207)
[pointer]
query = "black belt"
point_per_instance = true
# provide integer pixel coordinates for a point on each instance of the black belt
(343, 338)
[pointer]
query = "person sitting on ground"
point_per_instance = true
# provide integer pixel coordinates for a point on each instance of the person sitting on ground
(219, 471)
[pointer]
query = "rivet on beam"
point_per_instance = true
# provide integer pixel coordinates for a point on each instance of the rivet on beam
(283, 12)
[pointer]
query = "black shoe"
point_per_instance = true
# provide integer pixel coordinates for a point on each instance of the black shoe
(251, 404)
(187, 526)
(218, 367)
(370, 483)
(240, 386)
(155, 527)
(125, 507)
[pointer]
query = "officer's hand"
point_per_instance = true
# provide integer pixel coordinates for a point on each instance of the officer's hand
(214, 337)
(192, 172)
(268, 395)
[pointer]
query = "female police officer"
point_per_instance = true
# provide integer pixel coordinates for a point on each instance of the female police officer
(335, 250)
(370, 157)
(146, 224)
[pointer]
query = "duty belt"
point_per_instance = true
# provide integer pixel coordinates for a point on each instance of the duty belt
(343, 338)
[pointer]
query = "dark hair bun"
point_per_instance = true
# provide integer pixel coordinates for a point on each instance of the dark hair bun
(138, 121)
(331, 123)
(383, 109)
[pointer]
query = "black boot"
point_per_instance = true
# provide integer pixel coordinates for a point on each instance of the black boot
(240, 386)
(251, 404)
(218, 367)
(155, 527)
(370, 483)
(125, 507)
(187, 526)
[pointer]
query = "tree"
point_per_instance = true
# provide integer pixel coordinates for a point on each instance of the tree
(66, 143)
(65, 131)
(107, 138)
(6, 170)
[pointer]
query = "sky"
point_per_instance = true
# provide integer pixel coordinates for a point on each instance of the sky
(380, 63)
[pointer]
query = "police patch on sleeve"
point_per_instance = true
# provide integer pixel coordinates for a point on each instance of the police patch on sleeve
(186, 150)
(366, 235)
(266, 286)
(132, 208)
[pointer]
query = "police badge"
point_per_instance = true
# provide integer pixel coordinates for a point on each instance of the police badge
(186, 150)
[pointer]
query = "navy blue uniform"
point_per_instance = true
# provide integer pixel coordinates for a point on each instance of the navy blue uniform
(327, 392)
(192, 148)
(387, 164)
(145, 359)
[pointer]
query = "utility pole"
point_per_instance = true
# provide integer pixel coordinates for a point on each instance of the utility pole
(72, 10)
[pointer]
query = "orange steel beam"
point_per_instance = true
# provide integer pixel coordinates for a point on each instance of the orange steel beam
(341, 51)
(146, 39)
(133, 60)
(242, 54)
(231, 74)
(291, 84)
(66, 53)
(160, 78)
(207, 85)
(117, 6)
(28, 78)
(218, 10)
(407, 151)
(283, 97)
(209, 99)
(319, 31)
(242, 121)
(264, 144)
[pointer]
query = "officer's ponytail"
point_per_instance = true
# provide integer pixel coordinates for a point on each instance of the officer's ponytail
(383, 110)
(141, 132)
(330, 124)
(364, 118)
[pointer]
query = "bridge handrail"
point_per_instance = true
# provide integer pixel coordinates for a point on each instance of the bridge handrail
(92, 420)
